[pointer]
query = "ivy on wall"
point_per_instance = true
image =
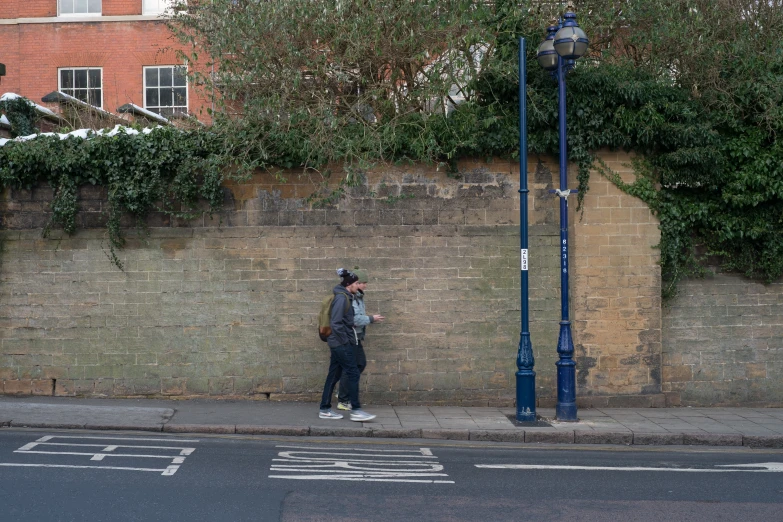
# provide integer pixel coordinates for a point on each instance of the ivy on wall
(165, 170)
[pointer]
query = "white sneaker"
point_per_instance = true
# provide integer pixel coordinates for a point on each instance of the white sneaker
(329, 414)
(361, 416)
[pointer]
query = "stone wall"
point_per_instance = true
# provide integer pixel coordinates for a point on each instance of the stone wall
(616, 299)
(723, 343)
(226, 306)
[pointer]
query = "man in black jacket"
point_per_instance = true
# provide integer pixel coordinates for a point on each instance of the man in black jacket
(342, 343)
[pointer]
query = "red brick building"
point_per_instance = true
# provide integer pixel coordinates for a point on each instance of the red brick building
(106, 52)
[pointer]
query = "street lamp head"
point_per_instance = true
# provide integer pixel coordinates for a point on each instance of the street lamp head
(547, 56)
(570, 42)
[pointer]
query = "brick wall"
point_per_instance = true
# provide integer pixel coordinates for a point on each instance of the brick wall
(27, 8)
(34, 52)
(723, 343)
(228, 308)
(48, 8)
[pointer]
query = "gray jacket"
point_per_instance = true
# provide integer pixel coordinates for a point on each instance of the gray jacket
(341, 320)
(360, 317)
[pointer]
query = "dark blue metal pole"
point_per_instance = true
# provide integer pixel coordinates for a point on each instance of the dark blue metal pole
(526, 377)
(566, 368)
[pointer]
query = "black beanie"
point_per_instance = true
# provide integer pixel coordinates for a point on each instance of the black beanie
(347, 277)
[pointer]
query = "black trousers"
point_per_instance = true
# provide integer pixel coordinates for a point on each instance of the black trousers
(361, 364)
(342, 363)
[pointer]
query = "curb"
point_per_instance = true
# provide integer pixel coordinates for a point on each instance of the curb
(518, 436)
(763, 441)
(289, 431)
(200, 428)
(445, 434)
(658, 439)
(603, 437)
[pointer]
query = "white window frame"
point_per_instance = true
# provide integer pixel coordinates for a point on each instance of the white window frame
(147, 11)
(144, 87)
(60, 13)
(60, 80)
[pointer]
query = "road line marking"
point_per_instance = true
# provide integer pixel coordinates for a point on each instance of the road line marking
(166, 471)
(609, 468)
(49, 437)
(358, 464)
(423, 452)
(325, 468)
(95, 454)
(367, 473)
(411, 455)
(327, 459)
(113, 447)
(363, 479)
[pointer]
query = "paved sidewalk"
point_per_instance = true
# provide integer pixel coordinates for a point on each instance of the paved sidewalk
(753, 427)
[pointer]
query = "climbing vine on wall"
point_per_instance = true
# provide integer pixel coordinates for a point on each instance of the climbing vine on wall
(165, 170)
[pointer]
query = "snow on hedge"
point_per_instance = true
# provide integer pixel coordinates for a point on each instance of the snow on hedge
(84, 134)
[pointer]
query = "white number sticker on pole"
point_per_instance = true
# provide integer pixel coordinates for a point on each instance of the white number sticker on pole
(524, 259)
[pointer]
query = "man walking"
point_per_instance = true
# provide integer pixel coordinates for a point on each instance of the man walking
(342, 344)
(360, 322)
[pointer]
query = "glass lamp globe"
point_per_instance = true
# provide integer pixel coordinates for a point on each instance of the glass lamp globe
(571, 42)
(547, 56)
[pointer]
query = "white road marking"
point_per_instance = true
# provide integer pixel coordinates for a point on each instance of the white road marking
(426, 452)
(358, 464)
(50, 437)
(31, 445)
(169, 457)
(108, 449)
(768, 467)
(355, 478)
(170, 470)
(291, 455)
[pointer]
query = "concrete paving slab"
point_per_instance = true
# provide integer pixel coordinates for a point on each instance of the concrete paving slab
(32, 414)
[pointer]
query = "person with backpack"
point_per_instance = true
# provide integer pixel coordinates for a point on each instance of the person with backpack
(342, 341)
(360, 321)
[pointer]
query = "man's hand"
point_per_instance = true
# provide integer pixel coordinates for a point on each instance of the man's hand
(377, 318)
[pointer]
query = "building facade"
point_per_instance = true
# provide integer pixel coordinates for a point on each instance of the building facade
(108, 53)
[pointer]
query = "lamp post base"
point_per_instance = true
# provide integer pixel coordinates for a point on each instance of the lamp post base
(526, 396)
(566, 411)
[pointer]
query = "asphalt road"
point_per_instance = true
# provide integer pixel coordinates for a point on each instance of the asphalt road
(48, 475)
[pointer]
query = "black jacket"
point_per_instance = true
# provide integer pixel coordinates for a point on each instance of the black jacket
(341, 320)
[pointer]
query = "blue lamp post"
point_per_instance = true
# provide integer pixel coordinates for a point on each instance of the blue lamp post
(526, 377)
(565, 43)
